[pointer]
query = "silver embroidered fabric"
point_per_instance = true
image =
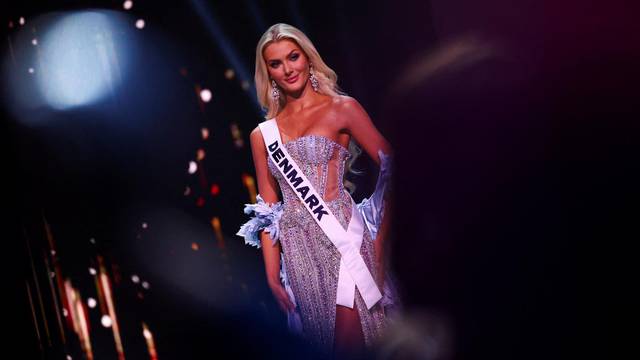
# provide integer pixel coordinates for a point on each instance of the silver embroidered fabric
(311, 260)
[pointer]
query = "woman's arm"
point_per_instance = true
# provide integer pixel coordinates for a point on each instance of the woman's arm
(364, 132)
(267, 188)
(360, 126)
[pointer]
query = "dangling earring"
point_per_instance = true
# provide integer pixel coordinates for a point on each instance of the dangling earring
(313, 79)
(275, 92)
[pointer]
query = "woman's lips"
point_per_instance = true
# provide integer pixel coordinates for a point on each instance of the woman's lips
(292, 80)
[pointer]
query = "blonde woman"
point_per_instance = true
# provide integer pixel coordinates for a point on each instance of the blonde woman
(314, 124)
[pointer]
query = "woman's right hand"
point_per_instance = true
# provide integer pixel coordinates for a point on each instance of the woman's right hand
(282, 298)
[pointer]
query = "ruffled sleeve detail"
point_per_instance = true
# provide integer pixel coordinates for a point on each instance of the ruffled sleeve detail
(265, 217)
(372, 208)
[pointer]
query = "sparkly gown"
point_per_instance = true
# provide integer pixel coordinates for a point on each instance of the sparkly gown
(311, 260)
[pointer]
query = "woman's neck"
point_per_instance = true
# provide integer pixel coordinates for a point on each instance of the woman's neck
(302, 100)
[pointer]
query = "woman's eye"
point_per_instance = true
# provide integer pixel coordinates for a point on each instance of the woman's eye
(294, 56)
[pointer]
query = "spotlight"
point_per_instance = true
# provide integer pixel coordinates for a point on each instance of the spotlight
(205, 95)
(193, 167)
(106, 321)
(81, 59)
(91, 302)
(205, 133)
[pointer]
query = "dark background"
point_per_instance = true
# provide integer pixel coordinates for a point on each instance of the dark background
(515, 179)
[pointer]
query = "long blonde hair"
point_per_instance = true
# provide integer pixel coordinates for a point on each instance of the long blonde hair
(327, 79)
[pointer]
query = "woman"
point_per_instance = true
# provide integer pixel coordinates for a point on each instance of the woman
(313, 122)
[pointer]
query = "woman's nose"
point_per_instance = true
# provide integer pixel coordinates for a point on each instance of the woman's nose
(287, 69)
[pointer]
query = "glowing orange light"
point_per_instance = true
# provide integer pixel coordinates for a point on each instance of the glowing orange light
(250, 184)
(200, 154)
(217, 229)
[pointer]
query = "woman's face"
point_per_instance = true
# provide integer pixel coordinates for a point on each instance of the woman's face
(287, 65)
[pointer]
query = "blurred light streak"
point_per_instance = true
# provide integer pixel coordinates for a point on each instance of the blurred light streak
(101, 299)
(38, 292)
(78, 318)
(83, 323)
(151, 346)
(237, 135)
(250, 184)
(208, 18)
(456, 53)
(54, 296)
(59, 278)
(33, 313)
(108, 296)
(257, 15)
(215, 224)
(298, 19)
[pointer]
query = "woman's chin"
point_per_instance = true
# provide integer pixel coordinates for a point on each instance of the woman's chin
(296, 87)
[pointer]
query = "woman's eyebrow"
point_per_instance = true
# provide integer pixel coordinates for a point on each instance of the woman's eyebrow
(272, 60)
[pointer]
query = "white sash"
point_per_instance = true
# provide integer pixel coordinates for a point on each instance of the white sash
(353, 269)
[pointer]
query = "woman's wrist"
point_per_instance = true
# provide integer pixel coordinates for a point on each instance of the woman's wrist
(273, 282)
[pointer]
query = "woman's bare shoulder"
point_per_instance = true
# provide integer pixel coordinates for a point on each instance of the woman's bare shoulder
(346, 108)
(342, 100)
(256, 136)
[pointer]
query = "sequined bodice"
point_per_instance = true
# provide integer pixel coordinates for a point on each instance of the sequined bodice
(310, 260)
(322, 160)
